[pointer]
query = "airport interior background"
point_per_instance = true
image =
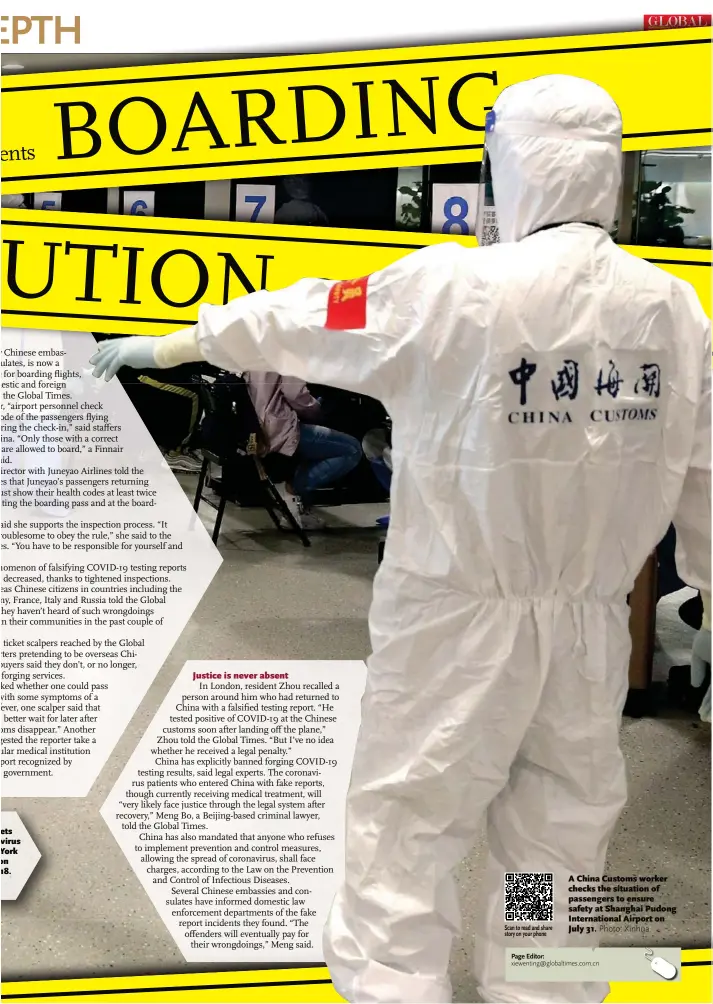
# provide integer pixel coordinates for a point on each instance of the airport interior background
(273, 598)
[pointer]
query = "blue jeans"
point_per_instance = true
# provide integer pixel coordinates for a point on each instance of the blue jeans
(325, 456)
(382, 474)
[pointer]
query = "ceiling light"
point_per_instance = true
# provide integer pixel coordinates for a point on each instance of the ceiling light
(13, 66)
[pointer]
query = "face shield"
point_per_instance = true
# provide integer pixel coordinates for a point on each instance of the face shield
(486, 220)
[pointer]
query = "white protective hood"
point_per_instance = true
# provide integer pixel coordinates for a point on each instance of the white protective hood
(555, 153)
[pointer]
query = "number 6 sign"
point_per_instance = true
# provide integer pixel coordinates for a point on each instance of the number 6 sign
(454, 209)
(138, 203)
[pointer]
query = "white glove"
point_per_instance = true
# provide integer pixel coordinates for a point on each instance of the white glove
(137, 351)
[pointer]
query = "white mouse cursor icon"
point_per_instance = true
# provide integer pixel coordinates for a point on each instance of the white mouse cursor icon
(664, 968)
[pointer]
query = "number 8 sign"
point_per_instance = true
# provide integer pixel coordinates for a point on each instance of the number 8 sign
(454, 209)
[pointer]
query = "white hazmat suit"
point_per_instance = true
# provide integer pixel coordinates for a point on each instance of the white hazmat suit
(550, 398)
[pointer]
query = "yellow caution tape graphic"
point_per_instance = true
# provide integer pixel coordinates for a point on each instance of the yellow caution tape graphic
(124, 274)
(281, 115)
(309, 985)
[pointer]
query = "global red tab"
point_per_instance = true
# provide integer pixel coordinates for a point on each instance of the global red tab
(676, 21)
(346, 306)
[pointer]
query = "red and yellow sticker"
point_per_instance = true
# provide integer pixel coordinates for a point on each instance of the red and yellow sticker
(346, 306)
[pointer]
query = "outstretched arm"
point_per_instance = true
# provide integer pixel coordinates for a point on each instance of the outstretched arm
(357, 335)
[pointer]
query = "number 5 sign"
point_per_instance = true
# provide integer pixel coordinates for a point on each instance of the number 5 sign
(254, 203)
(47, 200)
(454, 209)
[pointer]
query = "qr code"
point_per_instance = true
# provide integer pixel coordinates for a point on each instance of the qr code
(490, 233)
(528, 897)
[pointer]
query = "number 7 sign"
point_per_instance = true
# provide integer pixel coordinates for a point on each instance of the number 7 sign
(254, 203)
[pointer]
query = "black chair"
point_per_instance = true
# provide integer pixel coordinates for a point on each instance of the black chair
(230, 437)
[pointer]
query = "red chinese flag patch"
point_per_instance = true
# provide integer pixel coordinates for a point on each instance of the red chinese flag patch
(346, 306)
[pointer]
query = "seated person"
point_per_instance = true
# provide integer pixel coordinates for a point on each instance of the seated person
(377, 450)
(289, 416)
(299, 208)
